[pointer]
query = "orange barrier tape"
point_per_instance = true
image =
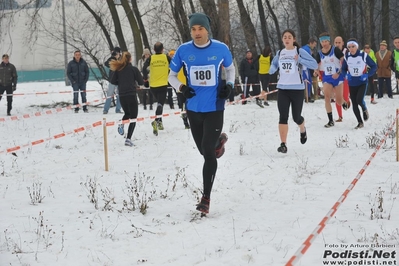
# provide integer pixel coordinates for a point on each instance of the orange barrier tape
(57, 136)
(83, 128)
(95, 124)
(316, 232)
(251, 97)
(49, 111)
(249, 84)
(47, 92)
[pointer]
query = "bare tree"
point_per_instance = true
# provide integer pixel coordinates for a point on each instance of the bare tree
(141, 30)
(117, 24)
(209, 8)
(385, 20)
(331, 10)
(369, 6)
(319, 26)
(180, 17)
(224, 22)
(248, 27)
(303, 13)
(276, 23)
(138, 44)
(263, 24)
(100, 23)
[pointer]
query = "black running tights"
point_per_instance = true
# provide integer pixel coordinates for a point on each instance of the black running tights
(357, 97)
(130, 108)
(206, 129)
(295, 98)
(160, 94)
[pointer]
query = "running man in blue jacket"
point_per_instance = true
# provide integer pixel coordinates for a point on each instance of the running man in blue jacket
(202, 60)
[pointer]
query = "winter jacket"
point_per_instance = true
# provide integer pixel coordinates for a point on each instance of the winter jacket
(78, 72)
(8, 74)
(127, 79)
(384, 69)
(106, 63)
(249, 69)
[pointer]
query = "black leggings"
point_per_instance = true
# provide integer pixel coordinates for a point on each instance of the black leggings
(371, 87)
(170, 97)
(264, 80)
(295, 98)
(160, 94)
(130, 108)
(357, 97)
(145, 93)
(206, 129)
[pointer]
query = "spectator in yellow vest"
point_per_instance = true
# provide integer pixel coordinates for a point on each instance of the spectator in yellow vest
(265, 60)
(395, 60)
(158, 64)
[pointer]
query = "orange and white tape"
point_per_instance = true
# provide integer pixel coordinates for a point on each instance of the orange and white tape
(93, 125)
(250, 97)
(57, 136)
(96, 124)
(322, 224)
(46, 112)
(47, 92)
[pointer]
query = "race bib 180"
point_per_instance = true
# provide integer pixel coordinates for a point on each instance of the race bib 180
(203, 75)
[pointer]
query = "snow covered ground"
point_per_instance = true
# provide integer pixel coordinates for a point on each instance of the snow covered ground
(60, 207)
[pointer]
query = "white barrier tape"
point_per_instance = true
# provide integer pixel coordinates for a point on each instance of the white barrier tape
(316, 232)
(47, 92)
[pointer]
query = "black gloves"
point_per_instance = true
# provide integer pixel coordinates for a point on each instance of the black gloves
(14, 87)
(225, 91)
(187, 91)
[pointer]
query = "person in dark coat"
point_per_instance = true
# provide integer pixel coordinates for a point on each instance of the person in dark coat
(78, 75)
(8, 81)
(249, 69)
(127, 77)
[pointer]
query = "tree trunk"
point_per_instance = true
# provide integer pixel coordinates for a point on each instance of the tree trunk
(263, 25)
(138, 45)
(276, 24)
(303, 13)
(209, 8)
(180, 17)
(141, 29)
(224, 22)
(192, 6)
(330, 10)
(372, 6)
(354, 19)
(100, 24)
(318, 18)
(248, 27)
(385, 20)
(117, 25)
